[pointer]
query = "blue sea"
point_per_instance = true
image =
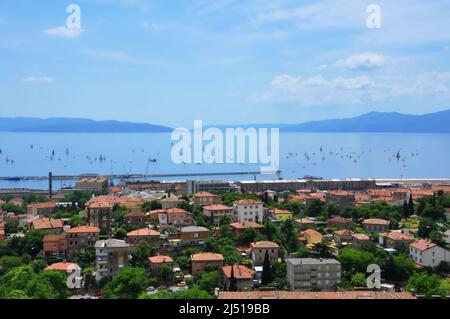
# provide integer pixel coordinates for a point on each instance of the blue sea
(327, 155)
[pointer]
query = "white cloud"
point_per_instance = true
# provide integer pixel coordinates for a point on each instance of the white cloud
(40, 79)
(363, 61)
(64, 32)
(318, 90)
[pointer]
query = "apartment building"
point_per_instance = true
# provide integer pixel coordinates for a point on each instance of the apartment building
(310, 274)
(206, 198)
(110, 256)
(248, 210)
(395, 240)
(258, 251)
(215, 212)
(99, 215)
(242, 275)
(54, 246)
(95, 184)
(206, 261)
(81, 238)
(194, 234)
(375, 225)
(428, 254)
(152, 237)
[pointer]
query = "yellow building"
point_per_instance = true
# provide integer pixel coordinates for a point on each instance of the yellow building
(281, 214)
(312, 236)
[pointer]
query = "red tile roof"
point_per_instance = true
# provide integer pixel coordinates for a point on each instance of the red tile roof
(376, 221)
(340, 219)
(143, 232)
(264, 244)
(217, 207)
(46, 223)
(83, 229)
(245, 225)
(422, 245)
(160, 260)
(63, 266)
(207, 257)
(397, 236)
(240, 272)
(248, 202)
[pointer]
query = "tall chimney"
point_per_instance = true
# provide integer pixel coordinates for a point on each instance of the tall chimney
(50, 190)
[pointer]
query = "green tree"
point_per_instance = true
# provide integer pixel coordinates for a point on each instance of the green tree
(208, 281)
(129, 283)
(140, 254)
(266, 276)
(314, 207)
(423, 284)
(359, 280)
(233, 281)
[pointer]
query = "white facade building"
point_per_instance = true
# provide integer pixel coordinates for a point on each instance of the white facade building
(248, 210)
(428, 254)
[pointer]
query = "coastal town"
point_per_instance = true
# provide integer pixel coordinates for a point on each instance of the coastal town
(205, 239)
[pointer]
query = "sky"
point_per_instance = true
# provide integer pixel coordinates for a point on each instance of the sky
(224, 62)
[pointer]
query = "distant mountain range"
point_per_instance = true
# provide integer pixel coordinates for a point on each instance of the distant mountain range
(376, 122)
(75, 125)
(373, 122)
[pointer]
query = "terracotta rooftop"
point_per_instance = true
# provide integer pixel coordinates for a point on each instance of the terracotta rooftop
(205, 194)
(47, 223)
(340, 219)
(422, 245)
(343, 232)
(42, 205)
(311, 232)
(62, 266)
(217, 207)
(376, 221)
(144, 232)
(240, 272)
(281, 211)
(83, 229)
(207, 257)
(360, 236)
(160, 260)
(245, 224)
(264, 244)
(397, 236)
(248, 202)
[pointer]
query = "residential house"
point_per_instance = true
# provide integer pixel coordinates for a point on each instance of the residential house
(239, 228)
(215, 212)
(248, 210)
(339, 222)
(80, 238)
(136, 218)
(312, 236)
(194, 234)
(156, 263)
(280, 214)
(54, 246)
(359, 240)
(206, 261)
(258, 251)
(395, 240)
(150, 236)
(342, 236)
(178, 216)
(110, 256)
(310, 274)
(428, 254)
(375, 225)
(41, 209)
(205, 198)
(243, 277)
(47, 225)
